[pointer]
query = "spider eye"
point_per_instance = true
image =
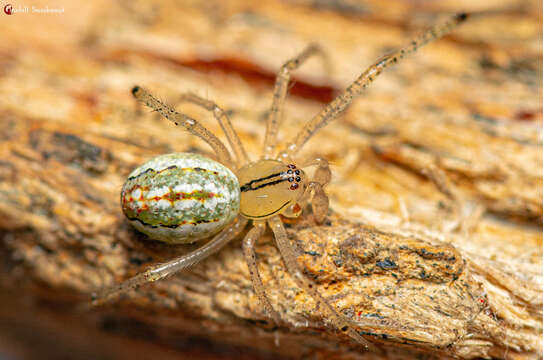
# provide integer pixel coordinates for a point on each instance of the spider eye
(293, 186)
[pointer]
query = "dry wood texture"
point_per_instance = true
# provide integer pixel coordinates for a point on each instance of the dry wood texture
(391, 255)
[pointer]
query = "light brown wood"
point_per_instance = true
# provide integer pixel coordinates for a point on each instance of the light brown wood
(391, 254)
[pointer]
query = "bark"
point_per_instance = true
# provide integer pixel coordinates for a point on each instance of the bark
(451, 268)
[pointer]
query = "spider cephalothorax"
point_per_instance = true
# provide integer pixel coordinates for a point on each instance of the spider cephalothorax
(269, 187)
(182, 197)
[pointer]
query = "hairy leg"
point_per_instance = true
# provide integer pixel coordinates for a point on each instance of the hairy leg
(444, 185)
(315, 193)
(224, 121)
(249, 251)
(319, 201)
(289, 257)
(323, 174)
(280, 93)
(160, 271)
(340, 103)
(193, 126)
(428, 165)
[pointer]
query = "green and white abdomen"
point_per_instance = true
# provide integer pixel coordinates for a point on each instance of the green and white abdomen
(180, 197)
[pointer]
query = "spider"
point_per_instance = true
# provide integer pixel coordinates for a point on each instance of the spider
(162, 194)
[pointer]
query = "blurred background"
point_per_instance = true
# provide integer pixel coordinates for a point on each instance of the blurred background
(70, 132)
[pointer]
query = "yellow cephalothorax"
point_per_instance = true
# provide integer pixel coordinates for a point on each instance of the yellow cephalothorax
(270, 187)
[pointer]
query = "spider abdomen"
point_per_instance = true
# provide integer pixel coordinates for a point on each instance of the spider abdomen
(180, 197)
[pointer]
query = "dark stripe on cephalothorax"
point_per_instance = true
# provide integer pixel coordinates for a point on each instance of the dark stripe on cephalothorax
(248, 186)
(151, 170)
(270, 214)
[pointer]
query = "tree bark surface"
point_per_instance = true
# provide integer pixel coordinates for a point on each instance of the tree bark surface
(446, 263)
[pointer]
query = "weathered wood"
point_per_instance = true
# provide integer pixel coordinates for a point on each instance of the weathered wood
(390, 255)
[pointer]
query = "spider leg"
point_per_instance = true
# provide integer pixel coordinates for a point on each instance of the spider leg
(461, 221)
(280, 93)
(160, 271)
(249, 251)
(224, 121)
(431, 169)
(315, 190)
(289, 258)
(319, 201)
(341, 102)
(193, 126)
(323, 175)
(444, 186)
